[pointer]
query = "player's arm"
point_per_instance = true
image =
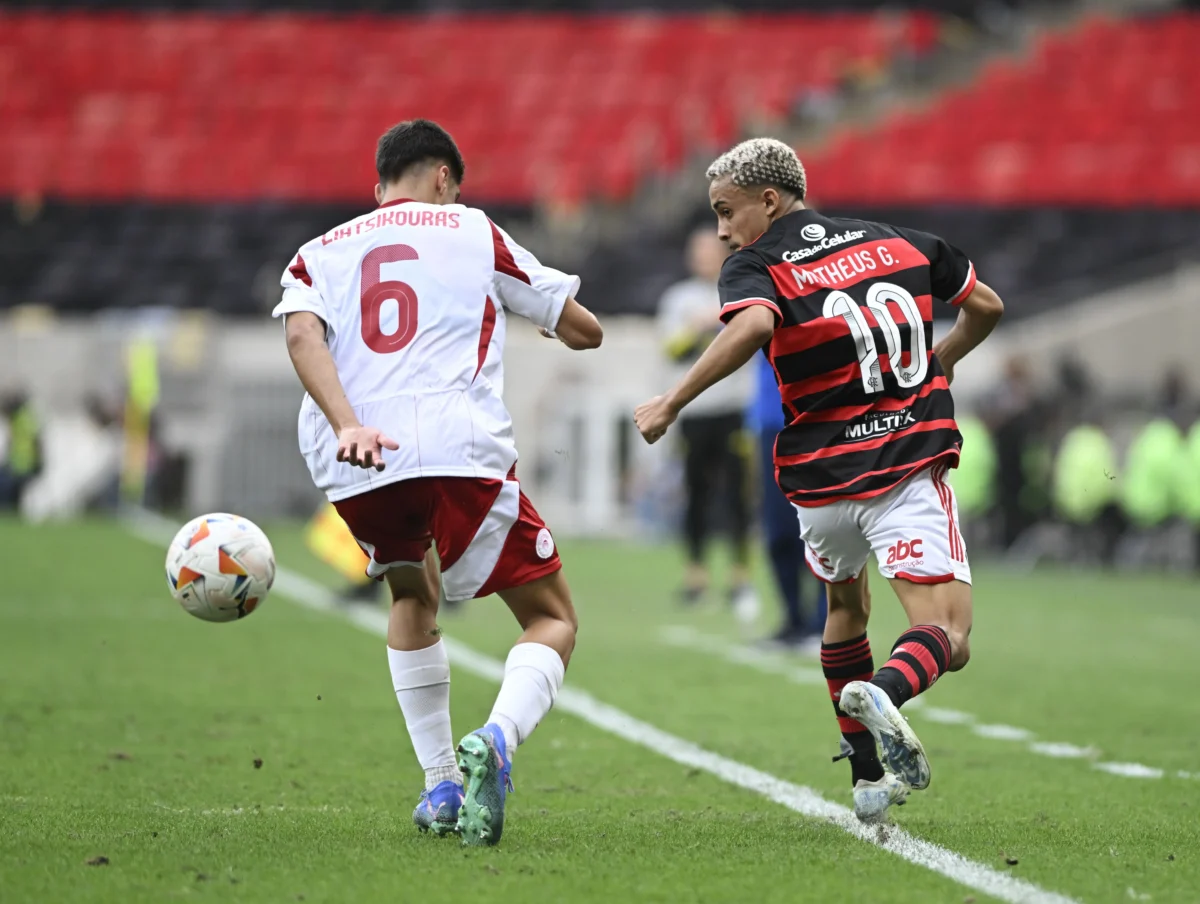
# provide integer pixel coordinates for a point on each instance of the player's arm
(360, 446)
(542, 295)
(751, 314)
(952, 279)
(978, 315)
(577, 327)
(746, 333)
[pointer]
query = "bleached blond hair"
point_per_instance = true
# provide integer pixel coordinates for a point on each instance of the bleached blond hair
(761, 161)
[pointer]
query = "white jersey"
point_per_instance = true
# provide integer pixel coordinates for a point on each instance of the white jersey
(413, 297)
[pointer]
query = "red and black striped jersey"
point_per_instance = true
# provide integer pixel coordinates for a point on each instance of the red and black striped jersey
(865, 400)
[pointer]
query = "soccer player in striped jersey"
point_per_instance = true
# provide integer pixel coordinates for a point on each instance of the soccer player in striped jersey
(843, 309)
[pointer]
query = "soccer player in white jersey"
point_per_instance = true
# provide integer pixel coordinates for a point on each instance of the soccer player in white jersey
(395, 325)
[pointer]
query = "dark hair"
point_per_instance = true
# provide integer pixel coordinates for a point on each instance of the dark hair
(416, 141)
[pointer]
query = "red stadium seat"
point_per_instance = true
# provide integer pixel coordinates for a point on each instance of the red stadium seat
(1107, 114)
(196, 106)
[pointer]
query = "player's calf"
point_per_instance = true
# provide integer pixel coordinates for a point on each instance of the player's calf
(533, 676)
(919, 657)
(420, 671)
(843, 662)
(846, 657)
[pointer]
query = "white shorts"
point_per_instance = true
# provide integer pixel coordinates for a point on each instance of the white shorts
(912, 528)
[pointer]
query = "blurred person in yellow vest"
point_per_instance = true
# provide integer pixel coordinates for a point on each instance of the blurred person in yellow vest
(138, 458)
(330, 540)
(23, 459)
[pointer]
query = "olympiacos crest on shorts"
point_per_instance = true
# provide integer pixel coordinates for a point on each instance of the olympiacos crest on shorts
(544, 545)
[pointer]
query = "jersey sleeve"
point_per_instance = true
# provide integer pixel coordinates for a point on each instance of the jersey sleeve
(745, 281)
(951, 273)
(299, 293)
(525, 286)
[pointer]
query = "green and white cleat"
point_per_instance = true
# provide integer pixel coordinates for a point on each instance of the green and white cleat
(483, 759)
(872, 799)
(902, 749)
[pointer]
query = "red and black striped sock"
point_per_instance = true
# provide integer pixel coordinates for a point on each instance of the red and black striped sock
(920, 655)
(843, 662)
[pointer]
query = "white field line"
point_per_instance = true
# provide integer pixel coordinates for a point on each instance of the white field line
(776, 664)
(977, 876)
(689, 638)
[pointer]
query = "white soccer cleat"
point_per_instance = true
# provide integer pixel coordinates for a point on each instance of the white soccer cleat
(902, 749)
(872, 799)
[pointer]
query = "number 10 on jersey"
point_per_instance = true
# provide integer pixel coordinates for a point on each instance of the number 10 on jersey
(840, 304)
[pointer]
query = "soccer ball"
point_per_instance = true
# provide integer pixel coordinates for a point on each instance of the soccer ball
(220, 567)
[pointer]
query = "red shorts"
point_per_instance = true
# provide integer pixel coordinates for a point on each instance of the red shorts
(489, 536)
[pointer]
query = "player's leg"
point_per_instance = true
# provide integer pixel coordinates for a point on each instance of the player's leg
(392, 524)
(421, 679)
(845, 659)
(837, 553)
(534, 670)
(511, 552)
(914, 532)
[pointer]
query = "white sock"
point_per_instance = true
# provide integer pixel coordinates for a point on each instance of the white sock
(533, 675)
(422, 682)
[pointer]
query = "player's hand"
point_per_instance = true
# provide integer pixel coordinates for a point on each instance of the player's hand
(363, 447)
(654, 417)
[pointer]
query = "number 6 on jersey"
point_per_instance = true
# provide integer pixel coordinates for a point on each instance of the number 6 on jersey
(376, 293)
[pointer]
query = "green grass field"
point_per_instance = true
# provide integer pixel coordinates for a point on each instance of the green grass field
(130, 731)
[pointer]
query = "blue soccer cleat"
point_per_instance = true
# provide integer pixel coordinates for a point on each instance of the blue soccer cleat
(437, 810)
(902, 749)
(483, 759)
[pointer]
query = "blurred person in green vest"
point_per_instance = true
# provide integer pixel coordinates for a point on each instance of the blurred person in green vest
(23, 460)
(1151, 483)
(1085, 488)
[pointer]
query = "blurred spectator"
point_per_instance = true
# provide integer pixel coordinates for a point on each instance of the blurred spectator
(712, 425)
(1174, 399)
(802, 624)
(1150, 481)
(142, 451)
(104, 418)
(23, 460)
(1012, 416)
